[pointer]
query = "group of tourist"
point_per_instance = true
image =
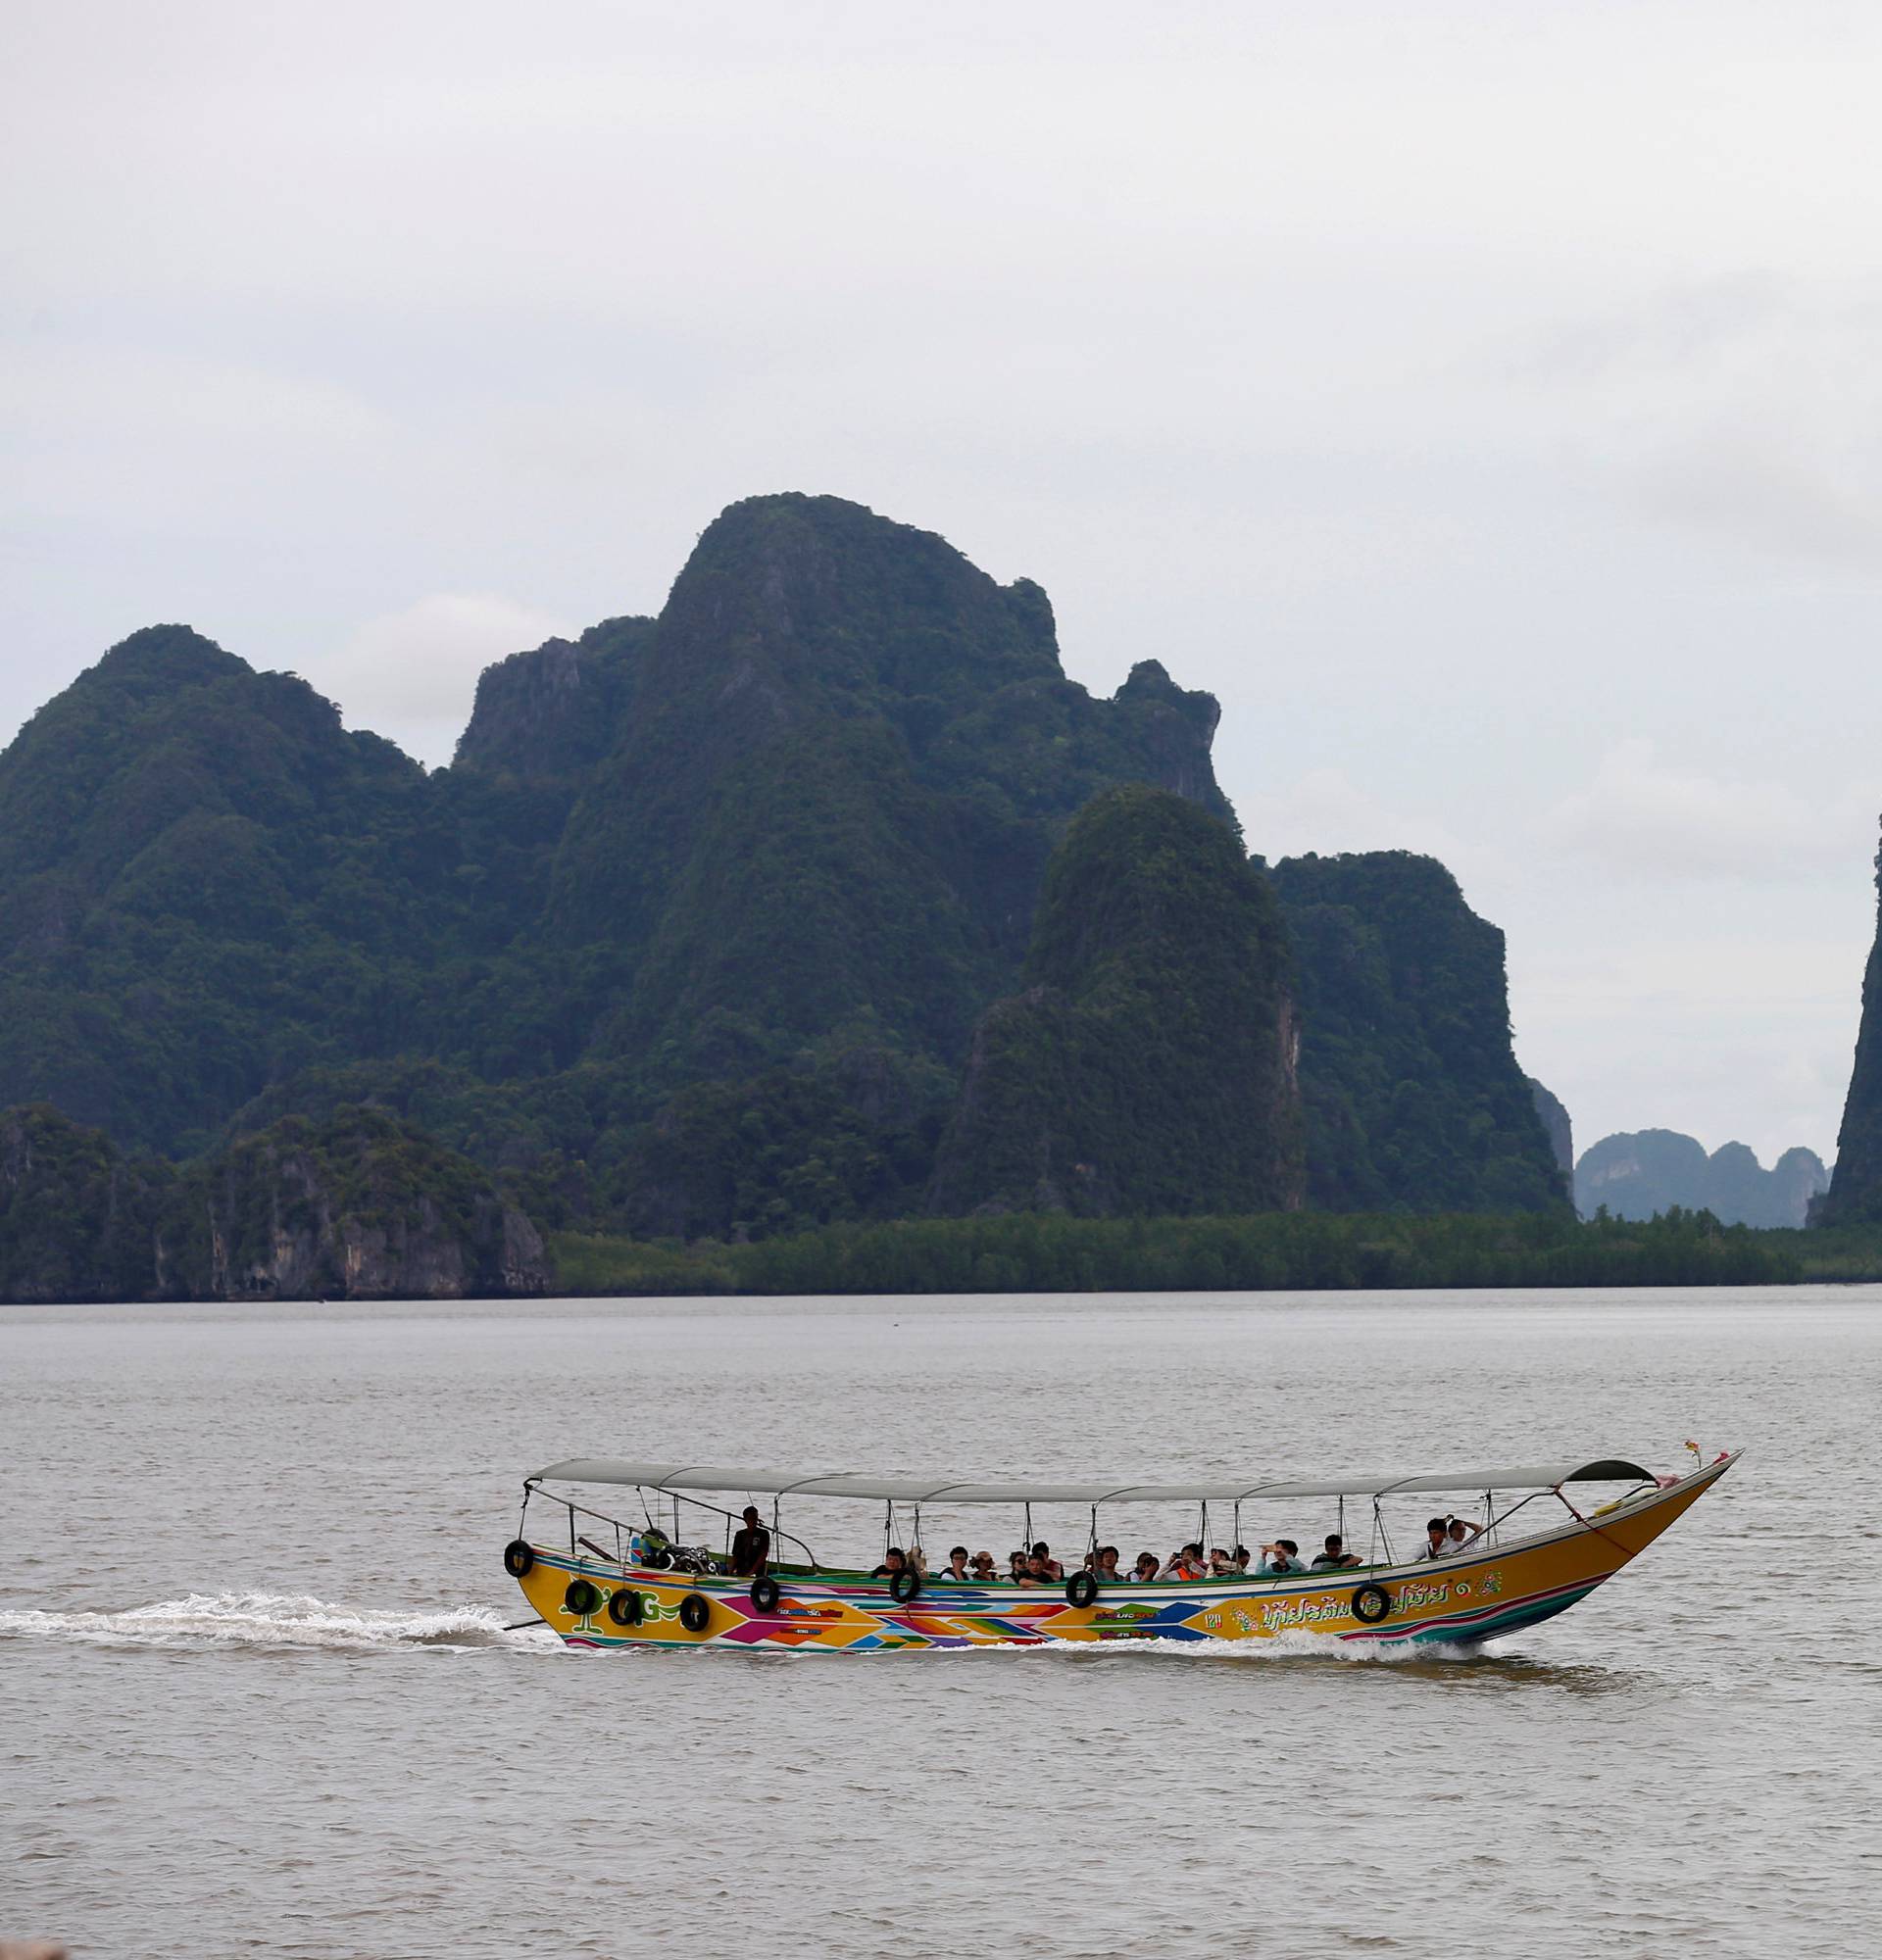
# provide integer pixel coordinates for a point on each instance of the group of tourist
(1037, 1567)
(1444, 1536)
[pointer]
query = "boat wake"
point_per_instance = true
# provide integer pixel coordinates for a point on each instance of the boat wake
(273, 1620)
(281, 1620)
(1287, 1647)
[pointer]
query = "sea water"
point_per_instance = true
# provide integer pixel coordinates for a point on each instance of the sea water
(257, 1695)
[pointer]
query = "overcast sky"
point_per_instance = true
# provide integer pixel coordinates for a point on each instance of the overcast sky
(1484, 400)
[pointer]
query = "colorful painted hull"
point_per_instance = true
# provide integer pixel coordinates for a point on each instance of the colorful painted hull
(1455, 1601)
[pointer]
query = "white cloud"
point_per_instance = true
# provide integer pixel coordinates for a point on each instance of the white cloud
(1325, 811)
(1746, 406)
(411, 675)
(1643, 819)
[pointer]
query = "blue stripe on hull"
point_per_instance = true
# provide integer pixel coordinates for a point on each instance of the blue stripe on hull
(1505, 1622)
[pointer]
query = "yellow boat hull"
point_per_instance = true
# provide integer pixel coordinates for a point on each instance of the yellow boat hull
(1461, 1601)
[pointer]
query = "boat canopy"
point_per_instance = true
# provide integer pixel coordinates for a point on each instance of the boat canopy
(718, 1480)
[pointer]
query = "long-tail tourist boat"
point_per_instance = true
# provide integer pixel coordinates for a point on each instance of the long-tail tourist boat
(611, 1583)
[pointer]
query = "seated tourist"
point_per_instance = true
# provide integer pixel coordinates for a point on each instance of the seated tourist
(984, 1572)
(1335, 1556)
(1221, 1565)
(1283, 1556)
(1106, 1566)
(1459, 1531)
(894, 1560)
(1437, 1540)
(1054, 1570)
(1039, 1571)
(958, 1565)
(1145, 1570)
(1186, 1564)
(1017, 1567)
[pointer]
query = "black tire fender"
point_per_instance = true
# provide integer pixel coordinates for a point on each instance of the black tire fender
(695, 1612)
(581, 1598)
(519, 1557)
(905, 1585)
(1371, 1603)
(766, 1592)
(626, 1607)
(1081, 1589)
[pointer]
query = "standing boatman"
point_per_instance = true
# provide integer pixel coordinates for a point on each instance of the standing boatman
(751, 1547)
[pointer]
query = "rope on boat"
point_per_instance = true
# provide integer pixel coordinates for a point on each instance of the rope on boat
(1587, 1524)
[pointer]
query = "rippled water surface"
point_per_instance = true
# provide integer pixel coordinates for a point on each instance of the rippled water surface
(256, 1695)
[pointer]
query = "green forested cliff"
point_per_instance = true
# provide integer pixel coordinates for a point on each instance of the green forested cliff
(206, 885)
(1855, 1196)
(817, 794)
(694, 935)
(1147, 1067)
(1414, 1096)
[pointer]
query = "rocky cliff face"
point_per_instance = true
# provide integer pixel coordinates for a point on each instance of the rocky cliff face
(1855, 1191)
(1642, 1173)
(1414, 1097)
(1149, 1067)
(558, 710)
(359, 1207)
(1557, 1128)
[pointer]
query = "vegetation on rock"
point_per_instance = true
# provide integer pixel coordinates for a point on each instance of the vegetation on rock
(1414, 1101)
(360, 1207)
(1149, 1067)
(1855, 1196)
(76, 1222)
(694, 936)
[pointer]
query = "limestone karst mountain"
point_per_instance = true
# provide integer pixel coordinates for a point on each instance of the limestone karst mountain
(1414, 1100)
(1640, 1173)
(1150, 1065)
(695, 933)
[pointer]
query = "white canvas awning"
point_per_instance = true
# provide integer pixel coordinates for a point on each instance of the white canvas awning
(716, 1480)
